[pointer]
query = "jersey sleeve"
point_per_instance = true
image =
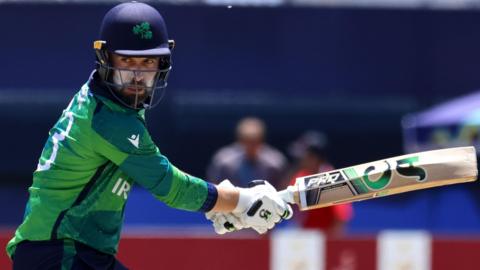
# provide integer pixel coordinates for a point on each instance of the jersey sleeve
(124, 140)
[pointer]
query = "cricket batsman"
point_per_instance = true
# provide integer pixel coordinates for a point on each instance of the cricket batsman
(100, 147)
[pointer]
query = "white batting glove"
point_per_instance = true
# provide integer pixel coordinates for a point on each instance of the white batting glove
(260, 207)
(225, 222)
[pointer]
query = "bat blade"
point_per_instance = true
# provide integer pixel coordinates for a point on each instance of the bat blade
(384, 177)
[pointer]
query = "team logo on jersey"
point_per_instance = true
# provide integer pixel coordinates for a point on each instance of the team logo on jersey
(143, 30)
(135, 140)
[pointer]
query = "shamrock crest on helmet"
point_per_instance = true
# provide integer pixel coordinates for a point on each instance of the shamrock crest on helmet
(143, 30)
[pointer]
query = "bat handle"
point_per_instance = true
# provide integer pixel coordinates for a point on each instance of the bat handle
(288, 194)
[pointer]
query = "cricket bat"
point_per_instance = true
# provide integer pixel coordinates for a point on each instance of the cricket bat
(384, 177)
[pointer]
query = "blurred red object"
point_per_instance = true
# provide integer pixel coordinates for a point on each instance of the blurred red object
(331, 220)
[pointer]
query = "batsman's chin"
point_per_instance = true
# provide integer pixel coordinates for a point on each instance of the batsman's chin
(132, 101)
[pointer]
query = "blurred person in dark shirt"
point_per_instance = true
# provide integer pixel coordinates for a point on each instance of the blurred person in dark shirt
(249, 157)
(309, 151)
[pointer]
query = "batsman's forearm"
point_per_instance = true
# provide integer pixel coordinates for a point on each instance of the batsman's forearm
(227, 199)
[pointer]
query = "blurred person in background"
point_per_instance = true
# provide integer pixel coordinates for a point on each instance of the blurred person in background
(309, 151)
(249, 157)
(100, 147)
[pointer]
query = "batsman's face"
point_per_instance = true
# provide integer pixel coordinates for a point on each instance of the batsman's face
(135, 75)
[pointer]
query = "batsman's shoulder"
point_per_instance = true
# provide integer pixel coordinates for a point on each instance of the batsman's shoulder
(123, 129)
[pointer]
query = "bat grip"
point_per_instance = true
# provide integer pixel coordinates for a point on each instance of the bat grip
(287, 194)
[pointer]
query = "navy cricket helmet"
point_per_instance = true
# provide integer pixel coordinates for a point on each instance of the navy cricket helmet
(134, 29)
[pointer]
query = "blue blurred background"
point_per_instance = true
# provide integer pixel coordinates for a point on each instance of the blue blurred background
(350, 72)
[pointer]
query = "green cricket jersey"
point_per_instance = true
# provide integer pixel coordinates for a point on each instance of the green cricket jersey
(94, 153)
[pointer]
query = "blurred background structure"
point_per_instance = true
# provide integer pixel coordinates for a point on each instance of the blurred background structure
(352, 69)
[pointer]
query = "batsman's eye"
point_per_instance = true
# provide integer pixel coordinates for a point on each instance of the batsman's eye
(150, 61)
(125, 60)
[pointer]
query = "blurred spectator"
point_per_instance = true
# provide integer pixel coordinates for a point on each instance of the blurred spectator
(309, 151)
(248, 158)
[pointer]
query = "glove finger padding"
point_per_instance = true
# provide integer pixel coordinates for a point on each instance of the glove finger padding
(232, 222)
(285, 211)
(220, 220)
